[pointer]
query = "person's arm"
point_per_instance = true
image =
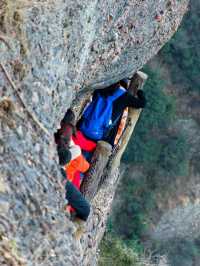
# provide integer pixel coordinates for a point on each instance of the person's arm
(136, 102)
(76, 199)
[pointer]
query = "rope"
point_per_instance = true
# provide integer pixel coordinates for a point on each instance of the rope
(30, 113)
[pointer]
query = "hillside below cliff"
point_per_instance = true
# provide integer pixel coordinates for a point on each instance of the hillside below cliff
(50, 51)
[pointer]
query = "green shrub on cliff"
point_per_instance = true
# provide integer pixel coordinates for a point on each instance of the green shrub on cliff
(181, 53)
(115, 252)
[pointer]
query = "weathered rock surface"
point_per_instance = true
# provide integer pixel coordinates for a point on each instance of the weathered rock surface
(52, 49)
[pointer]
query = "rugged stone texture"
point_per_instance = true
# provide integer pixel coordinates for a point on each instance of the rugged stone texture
(60, 46)
(51, 49)
(171, 224)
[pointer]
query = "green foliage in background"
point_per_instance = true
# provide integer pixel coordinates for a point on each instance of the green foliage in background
(130, 219)
(153, 145)
(173, 158)
(182, 52)
(181, 252)
(115, 252)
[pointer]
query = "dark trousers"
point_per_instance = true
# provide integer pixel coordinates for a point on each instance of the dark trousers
(77, 201)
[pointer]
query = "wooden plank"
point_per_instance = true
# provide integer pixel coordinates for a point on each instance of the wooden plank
(137, 82)
(98, 163)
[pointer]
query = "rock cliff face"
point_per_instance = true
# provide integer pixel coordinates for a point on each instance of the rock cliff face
(49, 51)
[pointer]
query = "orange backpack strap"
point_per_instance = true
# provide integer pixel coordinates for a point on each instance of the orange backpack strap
(121, 126)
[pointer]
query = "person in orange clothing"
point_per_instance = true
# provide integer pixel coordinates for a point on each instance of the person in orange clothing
(75, 167)
(84, 143)
(75, 198)
(64, 139)
(77, 163)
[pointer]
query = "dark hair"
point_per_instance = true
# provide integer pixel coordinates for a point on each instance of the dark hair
(64, 155)
(63, 172)
(110, 89)
(124, 83)
(69, 118)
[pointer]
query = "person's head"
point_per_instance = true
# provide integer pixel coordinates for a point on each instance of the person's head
(124, 83)
(64, 156)
(69, 118)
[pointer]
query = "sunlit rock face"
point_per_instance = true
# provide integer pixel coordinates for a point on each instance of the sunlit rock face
(49, 51)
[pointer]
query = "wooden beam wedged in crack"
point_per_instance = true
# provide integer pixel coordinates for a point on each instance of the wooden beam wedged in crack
(98, 164)
(137, 82)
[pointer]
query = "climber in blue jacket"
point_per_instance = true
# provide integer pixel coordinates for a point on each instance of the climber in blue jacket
(123, 100)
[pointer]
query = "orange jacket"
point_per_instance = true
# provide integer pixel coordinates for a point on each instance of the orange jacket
(78, 164)
(121, 126)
